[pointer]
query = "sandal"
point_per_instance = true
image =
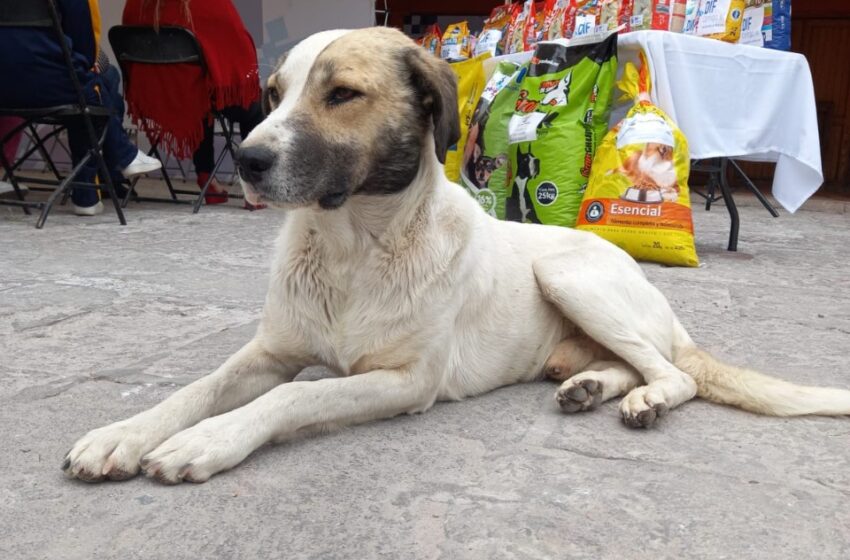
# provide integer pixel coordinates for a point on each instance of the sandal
(216, 194)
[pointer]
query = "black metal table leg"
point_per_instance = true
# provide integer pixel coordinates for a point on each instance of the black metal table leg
(726, 191)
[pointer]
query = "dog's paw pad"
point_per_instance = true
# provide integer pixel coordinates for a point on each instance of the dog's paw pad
(640, 410)
(578, 396)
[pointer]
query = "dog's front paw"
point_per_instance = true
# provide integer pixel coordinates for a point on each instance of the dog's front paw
(642, 407)
(195, 454)
(577, 395)
(110, 453)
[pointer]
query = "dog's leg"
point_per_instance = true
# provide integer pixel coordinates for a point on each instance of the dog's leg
(113, 452)
(604, 292)
(573, 355)
(222, 442)
(601, 382)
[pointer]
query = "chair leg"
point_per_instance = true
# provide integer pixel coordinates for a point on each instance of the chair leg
(164, 173)
(8, 168)
(45, 155)
(110, 188)
(61, 189)
(200, 200)
(228, 147)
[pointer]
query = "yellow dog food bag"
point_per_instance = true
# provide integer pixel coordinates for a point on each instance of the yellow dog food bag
(637, 196)
(720, 19)
(470, 85)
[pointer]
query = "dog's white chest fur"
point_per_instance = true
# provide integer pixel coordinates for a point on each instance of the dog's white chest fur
(361, 303)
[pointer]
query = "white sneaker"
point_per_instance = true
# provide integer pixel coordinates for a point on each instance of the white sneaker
(89, 210)
(142, 164)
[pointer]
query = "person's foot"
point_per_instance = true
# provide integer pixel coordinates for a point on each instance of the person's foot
(89, 210)
(142, 164)
(251, 207)
(216, 194)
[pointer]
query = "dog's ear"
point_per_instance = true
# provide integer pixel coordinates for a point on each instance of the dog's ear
(435, 84)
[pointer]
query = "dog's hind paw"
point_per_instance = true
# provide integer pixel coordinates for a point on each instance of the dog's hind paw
(642, 407)
(577, 395)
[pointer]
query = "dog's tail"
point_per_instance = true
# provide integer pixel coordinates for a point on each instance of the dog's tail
(725, 384)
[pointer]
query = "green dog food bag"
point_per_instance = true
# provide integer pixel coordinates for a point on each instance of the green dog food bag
(485, 169)
(560, 117)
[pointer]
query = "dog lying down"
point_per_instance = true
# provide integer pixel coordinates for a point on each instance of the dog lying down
(396, 278)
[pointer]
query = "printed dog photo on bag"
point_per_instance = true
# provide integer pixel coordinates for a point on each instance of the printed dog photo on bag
(519, 207)
(652, 175)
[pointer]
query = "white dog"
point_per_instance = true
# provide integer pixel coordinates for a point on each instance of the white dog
(395, 277)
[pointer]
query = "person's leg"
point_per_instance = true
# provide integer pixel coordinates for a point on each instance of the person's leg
(247, 118)
(10, 148)
(204, 160)
(112, 85)
(78, 142)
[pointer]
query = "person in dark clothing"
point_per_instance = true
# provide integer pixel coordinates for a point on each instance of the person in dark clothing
(34, 57)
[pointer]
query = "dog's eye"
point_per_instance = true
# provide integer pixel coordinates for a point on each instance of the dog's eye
(342, 95)
(274, 96)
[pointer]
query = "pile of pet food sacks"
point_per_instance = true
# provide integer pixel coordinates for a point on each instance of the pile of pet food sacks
(519, 26)
(535, 143)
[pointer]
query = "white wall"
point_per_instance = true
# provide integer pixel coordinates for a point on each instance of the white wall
(276, 25)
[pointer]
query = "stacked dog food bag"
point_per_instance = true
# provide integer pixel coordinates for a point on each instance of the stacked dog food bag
(560, 116)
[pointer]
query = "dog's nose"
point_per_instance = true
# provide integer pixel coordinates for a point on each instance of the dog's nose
(253, 162)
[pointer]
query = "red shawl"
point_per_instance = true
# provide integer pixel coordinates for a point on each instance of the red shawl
(172, 102)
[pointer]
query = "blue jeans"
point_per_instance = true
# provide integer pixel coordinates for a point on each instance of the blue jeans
(118, 151)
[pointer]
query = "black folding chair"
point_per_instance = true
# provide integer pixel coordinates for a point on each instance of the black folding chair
(44, 14)
(168, 45)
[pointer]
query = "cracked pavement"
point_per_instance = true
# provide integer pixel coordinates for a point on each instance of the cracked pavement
(98, 322)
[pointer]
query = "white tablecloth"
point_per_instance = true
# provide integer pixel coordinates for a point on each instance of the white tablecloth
(734, 101)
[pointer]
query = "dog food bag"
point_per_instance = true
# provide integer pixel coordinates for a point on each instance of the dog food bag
(470, 84)
(586, 19)
(650, 14)
(491, 37)
(689, 27)
(431, 40)
(677, 15)
(720, 19)
(561, 113)
(534, 24)
(752, 23)
(456, 42)
(485, 169)
(553, 23)
(609, 14)
(778, 34)
(638, 192)
(516, 32)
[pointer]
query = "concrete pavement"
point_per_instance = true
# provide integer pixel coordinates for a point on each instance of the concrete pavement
(98, 322)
